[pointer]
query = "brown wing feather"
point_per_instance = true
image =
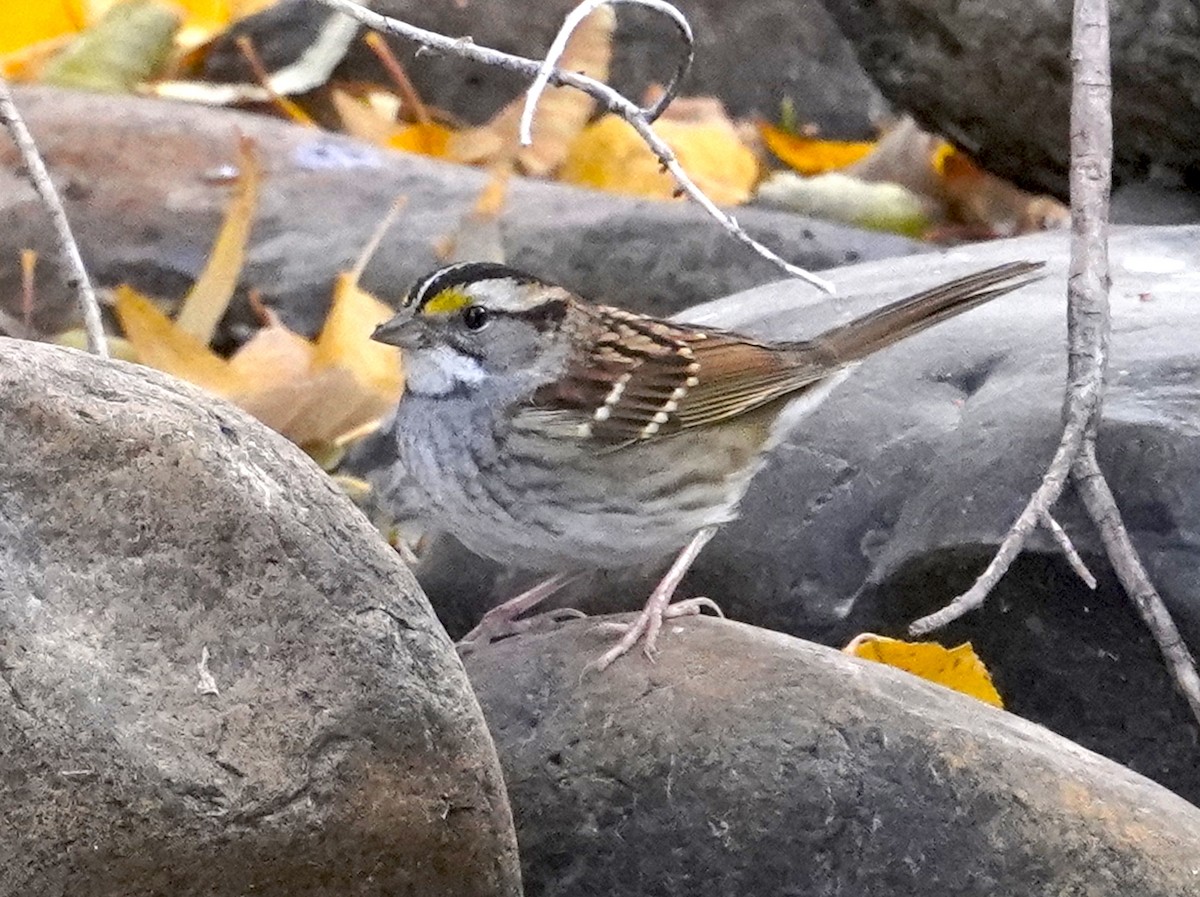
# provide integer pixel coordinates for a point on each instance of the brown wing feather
(646, 378)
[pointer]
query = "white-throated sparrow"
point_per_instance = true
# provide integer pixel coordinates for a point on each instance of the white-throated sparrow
(549, 433)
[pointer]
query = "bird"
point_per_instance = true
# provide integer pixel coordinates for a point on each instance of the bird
(558, 435)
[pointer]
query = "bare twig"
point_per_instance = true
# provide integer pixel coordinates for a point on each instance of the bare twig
(607, 97)
(1088, 330)
(559, 46)
(1102, 507)
(1081, 400)
(1068, 548)
(76, 273)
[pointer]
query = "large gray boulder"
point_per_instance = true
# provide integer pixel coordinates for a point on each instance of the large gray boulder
(215, 678)
(146, 185)
(890, 498)
(746, 762)
(995, 77)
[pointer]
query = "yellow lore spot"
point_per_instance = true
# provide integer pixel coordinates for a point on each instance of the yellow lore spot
(446, 302)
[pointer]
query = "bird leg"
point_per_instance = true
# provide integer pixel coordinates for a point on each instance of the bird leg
(501, 621)
(646, 627)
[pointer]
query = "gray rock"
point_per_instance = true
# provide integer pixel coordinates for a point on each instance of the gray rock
(892, 496)
(143, 188)
(753, 56)
(746, 762)
(151, 537)
(995, 77)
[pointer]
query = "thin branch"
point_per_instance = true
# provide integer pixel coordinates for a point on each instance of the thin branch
(1082, 400)
(1068, 548)
(1102, 507)
(559, 46)
(76, 274)
(607, 97)
(1088, 331)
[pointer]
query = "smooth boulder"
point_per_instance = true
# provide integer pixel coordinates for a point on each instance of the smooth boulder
(215, 677)
(747, 762)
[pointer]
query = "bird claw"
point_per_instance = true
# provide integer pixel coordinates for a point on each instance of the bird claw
(646, 628)
(495, 626)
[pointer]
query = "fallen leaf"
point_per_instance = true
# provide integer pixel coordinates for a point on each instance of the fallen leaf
(978, 199)
(126, 46)
(809, 155)
(27, 24)
(841, 197)
(365, 121)
(209, 296)
(477, 237)
(160, 344)
(609, 155)
(562, 111)
(958, 668)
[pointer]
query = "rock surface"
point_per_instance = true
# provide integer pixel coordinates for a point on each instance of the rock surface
(995, 77)
(755, 56)
(746, 762)
(215, 678)
(890, 498)
(145, 185)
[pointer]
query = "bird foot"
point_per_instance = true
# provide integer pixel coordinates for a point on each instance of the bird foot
(502, 621)
(496, 626)
(647, 627)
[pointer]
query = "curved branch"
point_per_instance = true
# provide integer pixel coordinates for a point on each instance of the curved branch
(559, 46)
(603, 94)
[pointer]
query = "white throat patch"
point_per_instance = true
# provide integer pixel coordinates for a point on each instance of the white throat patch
(437, 372)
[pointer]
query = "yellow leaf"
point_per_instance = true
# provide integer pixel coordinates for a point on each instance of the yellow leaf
(345, 341)
(366, 122)
(160, 344)
(426, 138)
(561, 114)
(808, 155)
(958, 668)
(209, 296)
(609, 155)
(27, 23)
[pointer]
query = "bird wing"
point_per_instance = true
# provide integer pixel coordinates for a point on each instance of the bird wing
(645, 378)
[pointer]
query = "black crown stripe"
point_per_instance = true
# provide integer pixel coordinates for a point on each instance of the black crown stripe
(462, 273)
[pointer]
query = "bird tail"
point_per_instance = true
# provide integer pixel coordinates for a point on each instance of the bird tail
(863, 336)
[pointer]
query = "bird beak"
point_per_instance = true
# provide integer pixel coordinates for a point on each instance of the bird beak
(400, 330)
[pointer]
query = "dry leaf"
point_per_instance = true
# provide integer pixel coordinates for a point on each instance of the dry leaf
(160, 344)
(978, 199)
(126, 46)
(809, 155)
(561, 114)
(958, 668)
(609, 155)
(365, 121)
(209, 296)
(27, 24)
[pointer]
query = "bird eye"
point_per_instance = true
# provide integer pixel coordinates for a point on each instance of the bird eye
(475, 317)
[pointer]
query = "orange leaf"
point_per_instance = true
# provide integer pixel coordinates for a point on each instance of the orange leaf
(958, 668)
(810, 156)
(345, 341)
(426, 138)
(27, 23)
(562, 112)
(209, 296)
(609, 155)
(160, 344)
